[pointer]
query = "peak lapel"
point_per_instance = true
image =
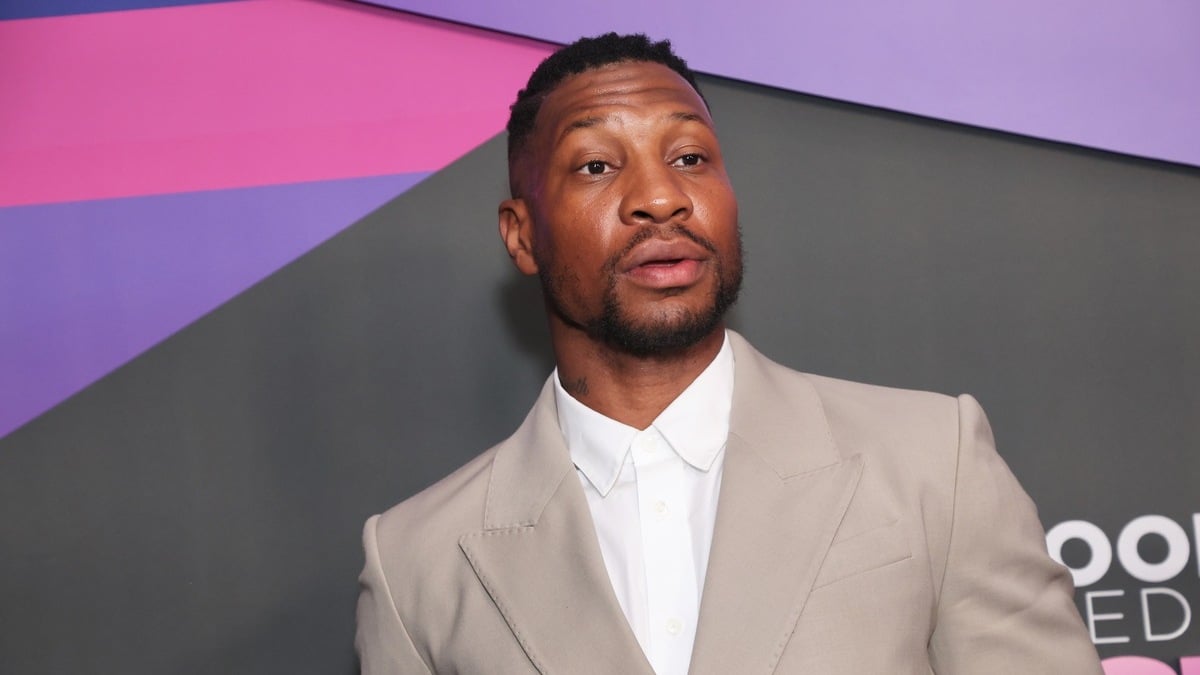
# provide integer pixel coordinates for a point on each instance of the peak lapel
(784, 491)
(538, 557)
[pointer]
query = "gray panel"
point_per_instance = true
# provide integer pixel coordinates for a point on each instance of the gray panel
(1058, 285)
(199, 509)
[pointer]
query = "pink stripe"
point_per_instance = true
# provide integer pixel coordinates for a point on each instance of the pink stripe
(248, 93)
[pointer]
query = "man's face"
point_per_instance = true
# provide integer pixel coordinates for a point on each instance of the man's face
(633, 220)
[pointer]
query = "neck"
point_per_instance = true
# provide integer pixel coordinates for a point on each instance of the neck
(633, 390)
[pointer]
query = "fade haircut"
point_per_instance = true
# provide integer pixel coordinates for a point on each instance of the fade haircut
(580, 56)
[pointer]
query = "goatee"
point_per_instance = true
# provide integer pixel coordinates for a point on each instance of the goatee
(670, 335)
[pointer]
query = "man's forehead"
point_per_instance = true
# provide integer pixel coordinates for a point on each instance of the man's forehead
(582, 100)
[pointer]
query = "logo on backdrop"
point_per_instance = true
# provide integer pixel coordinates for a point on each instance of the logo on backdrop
(1147, 608)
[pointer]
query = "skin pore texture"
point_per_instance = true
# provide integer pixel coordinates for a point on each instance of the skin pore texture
(628, 217)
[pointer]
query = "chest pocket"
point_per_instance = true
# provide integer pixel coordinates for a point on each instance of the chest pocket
(864, 551)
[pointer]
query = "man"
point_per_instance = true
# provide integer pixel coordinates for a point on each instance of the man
(675, 502)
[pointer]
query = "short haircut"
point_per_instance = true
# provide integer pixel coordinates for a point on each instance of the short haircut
(580, 56)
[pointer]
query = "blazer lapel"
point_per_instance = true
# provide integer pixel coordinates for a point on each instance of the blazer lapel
(784, 490)
(539, 559)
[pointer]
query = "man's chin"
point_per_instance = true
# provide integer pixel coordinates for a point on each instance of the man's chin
(662, 337)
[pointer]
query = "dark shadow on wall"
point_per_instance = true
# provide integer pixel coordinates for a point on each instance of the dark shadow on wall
(291, 640)
(520, 299)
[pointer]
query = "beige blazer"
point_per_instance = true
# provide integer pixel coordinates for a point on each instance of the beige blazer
(860, 530)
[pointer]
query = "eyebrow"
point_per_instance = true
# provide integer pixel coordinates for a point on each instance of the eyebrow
(687, 117)
(576, 125)
(588, 122)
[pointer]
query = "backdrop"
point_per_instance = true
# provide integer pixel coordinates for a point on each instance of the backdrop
(299, 352)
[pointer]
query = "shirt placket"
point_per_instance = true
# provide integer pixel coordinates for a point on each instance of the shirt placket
(672, 600)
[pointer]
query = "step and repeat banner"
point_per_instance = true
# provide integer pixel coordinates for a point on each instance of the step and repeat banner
(251, 292)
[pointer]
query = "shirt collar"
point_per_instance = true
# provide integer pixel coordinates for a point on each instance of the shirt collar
(695, 425)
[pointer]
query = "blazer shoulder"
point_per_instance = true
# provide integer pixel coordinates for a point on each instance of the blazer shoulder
(906, 430)
(889, 407)
(449, 508)
(832, 417)
(845, 403)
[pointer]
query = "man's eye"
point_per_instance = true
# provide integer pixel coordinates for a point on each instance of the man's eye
(594, 167)
(690, 159)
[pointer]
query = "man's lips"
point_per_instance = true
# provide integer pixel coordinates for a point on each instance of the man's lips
(659, 263)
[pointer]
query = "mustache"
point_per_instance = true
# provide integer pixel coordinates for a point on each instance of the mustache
(662, 232)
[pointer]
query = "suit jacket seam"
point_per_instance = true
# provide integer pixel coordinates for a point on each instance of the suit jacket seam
(501, 606)
(897, 561)
(387, 591)
(491, 489)
(940, 592)
(824, 417)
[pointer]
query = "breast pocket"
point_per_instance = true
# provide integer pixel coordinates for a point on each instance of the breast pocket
(864, 551)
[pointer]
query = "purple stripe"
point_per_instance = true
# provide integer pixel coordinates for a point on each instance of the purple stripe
(29, 9)
(86, 286)
(1120, 76)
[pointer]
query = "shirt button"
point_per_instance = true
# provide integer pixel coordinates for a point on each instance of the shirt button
(674, 626)
(660, 507)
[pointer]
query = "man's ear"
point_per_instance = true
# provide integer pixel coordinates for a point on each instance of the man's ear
(516, 231)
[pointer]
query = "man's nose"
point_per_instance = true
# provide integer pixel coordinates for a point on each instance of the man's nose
(655, 194)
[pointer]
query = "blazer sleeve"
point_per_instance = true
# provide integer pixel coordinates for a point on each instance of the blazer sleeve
(1004, 605)
(383, 643)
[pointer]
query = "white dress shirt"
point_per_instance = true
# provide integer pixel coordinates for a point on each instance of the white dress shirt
(653, 499)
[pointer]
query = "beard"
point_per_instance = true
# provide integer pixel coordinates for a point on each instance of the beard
(659, 336)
